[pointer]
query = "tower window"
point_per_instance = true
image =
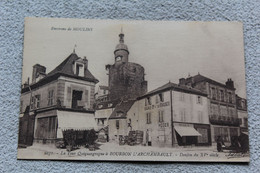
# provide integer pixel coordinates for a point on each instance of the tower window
(118, 58)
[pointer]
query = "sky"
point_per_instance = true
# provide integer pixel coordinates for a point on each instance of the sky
(167, 50)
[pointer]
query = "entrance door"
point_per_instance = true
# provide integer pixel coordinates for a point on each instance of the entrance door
(26, 129)
(161, 135)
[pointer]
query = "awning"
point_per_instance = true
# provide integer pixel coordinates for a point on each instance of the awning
(187, 131)
(75, 121)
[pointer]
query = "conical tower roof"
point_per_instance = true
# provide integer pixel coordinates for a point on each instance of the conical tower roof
(121, 45)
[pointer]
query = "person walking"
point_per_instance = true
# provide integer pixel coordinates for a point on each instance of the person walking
(220, 143)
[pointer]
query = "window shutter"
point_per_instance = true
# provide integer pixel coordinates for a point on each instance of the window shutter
(69, 95)
(86, 97)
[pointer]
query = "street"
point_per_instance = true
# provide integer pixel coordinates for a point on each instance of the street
(112, 151)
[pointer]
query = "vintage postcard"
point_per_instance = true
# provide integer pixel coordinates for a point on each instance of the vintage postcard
(133, 91)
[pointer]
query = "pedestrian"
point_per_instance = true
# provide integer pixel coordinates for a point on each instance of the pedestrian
(219, 143)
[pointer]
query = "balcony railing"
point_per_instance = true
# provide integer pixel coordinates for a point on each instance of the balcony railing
(223, 120)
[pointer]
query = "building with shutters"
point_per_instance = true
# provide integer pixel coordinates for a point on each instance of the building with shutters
(242, 114)
(169, 116)
(59, 100)
(223, 113)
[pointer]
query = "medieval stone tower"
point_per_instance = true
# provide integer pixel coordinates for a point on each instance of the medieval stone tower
(126, 79)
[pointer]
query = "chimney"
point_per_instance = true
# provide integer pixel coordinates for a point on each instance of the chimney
(26, 83)
(230, 83)
(187, 82)
(85, 61)
(37, 70)
(182, 81)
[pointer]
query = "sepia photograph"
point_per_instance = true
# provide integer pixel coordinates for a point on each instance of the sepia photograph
(118, 90)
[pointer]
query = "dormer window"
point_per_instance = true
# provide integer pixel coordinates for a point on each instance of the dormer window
(79, 68)
(119, 114)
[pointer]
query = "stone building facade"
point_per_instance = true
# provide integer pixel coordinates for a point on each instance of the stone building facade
(126, 79)
(126, 82)
(62, 99)
(223, 114)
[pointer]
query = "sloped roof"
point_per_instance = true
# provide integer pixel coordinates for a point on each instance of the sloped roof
(121, 109)
(107, 104)
(63, 69)
(175, 87)
(66, 68)
(199, 78)
(121, 46)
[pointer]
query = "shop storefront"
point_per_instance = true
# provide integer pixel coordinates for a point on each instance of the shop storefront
(192, 134)
(204, 130)
(186, 134)
(225, 132)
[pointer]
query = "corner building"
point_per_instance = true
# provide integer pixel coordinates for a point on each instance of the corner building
(169, 116)
(223, 114)
(59, 100)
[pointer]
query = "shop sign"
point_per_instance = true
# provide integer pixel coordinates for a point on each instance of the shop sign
(150, 107)
(162, 125)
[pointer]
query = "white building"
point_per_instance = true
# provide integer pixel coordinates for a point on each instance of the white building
(171, 115)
